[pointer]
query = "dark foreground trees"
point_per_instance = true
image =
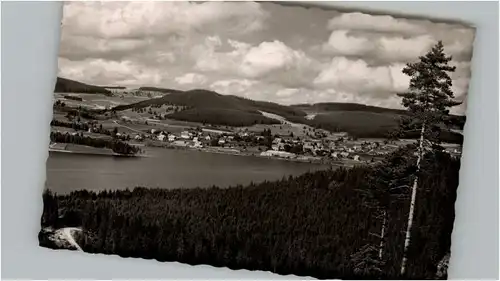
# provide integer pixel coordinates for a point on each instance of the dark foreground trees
(428, 101)
(313, 224)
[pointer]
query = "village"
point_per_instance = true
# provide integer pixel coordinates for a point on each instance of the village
(287, 141)
(319, 147)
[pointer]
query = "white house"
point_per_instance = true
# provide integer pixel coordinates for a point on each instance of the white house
(275, 147)
(161, 137)
(221, 141)
(309, 146)
(344, 154)
(171, 137)
(185, 135)
(208, 138)
(356, 158)
(153, 131)
(335, 155)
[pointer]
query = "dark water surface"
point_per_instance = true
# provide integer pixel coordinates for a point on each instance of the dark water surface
(165, 168)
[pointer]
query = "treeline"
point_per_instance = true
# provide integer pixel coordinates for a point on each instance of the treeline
(76, 111)
(79, 126)
(314, 224)
(64, 85)
(114, 87)
(73, 98)
(115, 145)
(92, 126)
(367, 125)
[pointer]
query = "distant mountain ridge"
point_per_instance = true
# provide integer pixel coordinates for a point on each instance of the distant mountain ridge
(160, 90)
(209, 107)
(64, 85)
(335, 106)
(114, 87)
(329, 107)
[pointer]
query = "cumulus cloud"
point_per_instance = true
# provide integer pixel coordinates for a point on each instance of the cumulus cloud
(356, 76)
(233, 86)
(383, 49)
(340, 42)
(400, 49)
(273, 61)
(272, 56)
(138, 19)
(191, 78)
(344, 74)
(83, 47)
(360, 21)
(288, 92)
(103, 72)
(251, 49)
(385, 39)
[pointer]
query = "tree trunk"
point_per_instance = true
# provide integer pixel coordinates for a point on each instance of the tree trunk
(412, 204)
(382, 235)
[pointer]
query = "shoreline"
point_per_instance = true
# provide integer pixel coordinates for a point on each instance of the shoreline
(247, 154)
(103, 153)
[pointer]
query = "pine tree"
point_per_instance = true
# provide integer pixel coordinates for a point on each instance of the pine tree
(387, 183)
(427, 101)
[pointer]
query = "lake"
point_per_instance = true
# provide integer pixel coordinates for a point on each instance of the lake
(165, 168)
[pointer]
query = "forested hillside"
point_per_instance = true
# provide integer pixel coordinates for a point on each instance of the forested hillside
(358, 120)
(311, 225)
(64, 85)
(213, 108)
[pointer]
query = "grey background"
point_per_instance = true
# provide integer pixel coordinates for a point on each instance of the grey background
(30, 39)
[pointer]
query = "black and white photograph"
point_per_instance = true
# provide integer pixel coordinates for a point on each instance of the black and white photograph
(297, 140)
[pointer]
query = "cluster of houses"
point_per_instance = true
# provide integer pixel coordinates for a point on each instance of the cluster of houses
(338, 147)
(334, 147)
(184, 139)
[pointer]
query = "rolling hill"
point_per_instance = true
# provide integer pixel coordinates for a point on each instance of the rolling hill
(159, 90)
(321, 109)
(209, 107)
(333, 106)
(115, 87)
(64, 85)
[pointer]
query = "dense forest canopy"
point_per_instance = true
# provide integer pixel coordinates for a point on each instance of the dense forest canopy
(307, 225)
(64, 85)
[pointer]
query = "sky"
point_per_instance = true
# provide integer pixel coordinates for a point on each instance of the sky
(258, 50)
